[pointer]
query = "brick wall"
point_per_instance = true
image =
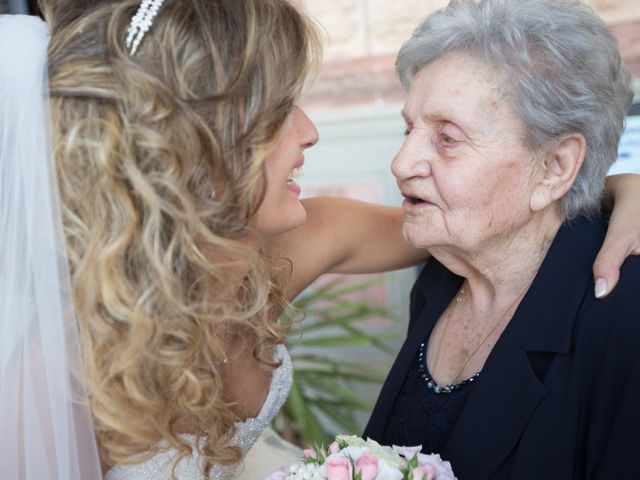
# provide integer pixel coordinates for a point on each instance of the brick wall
(364, 35)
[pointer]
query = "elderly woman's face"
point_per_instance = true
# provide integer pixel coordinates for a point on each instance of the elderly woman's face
(463, 168)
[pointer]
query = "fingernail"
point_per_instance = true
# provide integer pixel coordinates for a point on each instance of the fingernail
(601, 287)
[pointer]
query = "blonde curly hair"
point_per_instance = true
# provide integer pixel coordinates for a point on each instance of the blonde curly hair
(140, 144)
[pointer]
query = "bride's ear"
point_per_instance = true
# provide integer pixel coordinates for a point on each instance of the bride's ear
(559, 168)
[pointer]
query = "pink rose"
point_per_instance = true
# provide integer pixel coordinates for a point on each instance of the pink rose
(442, 468)
(339, 468)
(424, 472)
(334, 448)
(308, 453)
(280, 474)
(367, 465)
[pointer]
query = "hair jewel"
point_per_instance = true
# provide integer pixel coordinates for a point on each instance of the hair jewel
(141, 23)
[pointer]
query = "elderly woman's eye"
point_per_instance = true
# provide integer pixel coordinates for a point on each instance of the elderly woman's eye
(447, 139)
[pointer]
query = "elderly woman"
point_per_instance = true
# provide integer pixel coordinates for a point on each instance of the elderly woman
(512, 369)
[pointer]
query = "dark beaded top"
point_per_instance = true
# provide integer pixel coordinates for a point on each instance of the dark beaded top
(423, 415)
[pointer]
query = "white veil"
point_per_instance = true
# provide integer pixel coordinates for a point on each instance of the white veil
(46, 431)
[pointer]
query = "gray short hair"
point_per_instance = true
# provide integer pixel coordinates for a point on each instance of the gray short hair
(563, 71)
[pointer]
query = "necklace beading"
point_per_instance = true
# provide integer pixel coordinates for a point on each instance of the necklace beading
(431, 384)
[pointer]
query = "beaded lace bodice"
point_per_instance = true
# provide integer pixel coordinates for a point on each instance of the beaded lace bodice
(159, 467)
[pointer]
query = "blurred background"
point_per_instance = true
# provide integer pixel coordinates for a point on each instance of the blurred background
(353, 326)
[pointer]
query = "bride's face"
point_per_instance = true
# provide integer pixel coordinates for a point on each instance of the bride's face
(281, 209)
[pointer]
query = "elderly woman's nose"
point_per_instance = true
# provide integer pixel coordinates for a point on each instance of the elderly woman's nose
(411, 161)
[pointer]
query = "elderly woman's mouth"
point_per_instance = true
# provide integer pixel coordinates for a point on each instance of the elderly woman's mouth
(415, 202)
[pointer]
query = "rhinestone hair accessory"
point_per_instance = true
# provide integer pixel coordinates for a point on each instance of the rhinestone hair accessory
(141, 23)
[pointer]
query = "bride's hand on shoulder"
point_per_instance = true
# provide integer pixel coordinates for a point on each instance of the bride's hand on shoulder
(623, 236)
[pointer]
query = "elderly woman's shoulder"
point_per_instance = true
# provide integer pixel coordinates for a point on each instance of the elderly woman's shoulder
(615, 320)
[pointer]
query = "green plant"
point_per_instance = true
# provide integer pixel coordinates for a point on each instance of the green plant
(323, 399)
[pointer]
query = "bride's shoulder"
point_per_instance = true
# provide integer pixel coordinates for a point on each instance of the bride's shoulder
(248, 433)
(161, 465)
(269, 453)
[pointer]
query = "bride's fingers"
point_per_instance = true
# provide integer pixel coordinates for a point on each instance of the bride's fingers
(606, 268)
(623, 235)
(622, 240)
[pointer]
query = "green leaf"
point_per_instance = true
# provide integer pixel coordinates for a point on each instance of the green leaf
(345, 395)
(339, 414)
(338, 340)
(306, 421)
(323, 386)
(347, 376)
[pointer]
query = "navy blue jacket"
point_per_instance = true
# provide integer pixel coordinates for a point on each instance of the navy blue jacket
(559, 395)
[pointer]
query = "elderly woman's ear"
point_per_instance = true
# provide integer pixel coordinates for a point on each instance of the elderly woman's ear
(559, 167)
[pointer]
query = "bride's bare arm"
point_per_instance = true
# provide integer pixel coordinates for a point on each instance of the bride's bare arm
(345, 236)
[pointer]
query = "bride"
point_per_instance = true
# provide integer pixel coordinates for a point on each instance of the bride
(151, 233)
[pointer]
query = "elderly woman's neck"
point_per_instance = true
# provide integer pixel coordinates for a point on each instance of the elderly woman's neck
(503, 267)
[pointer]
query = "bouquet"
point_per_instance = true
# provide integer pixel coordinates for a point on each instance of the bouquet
(352, 458)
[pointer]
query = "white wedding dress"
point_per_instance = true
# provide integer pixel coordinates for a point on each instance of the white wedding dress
(272, 451)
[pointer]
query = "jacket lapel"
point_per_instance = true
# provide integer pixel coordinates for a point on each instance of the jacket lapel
(501, 403)
(508, 390)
